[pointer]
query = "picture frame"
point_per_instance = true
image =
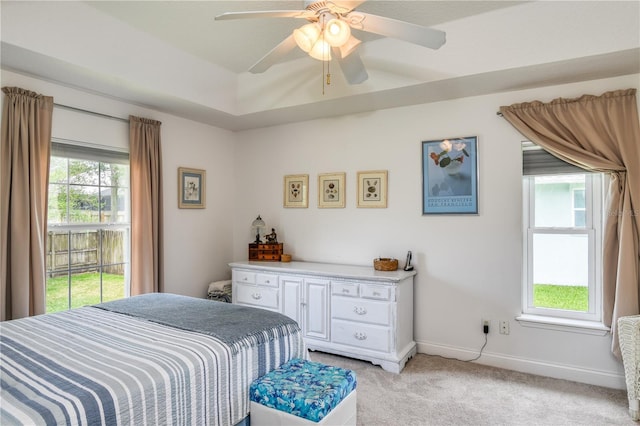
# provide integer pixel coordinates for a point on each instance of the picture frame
(191, 188)
(296, 191)
(450, 176)
(372, 189)
(331, 193)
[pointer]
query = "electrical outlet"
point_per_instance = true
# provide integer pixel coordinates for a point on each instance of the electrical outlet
(504, 327)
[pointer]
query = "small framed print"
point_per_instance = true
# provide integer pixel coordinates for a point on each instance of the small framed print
(331, 190)
(191, 188)
(372, 189)
(296, 191)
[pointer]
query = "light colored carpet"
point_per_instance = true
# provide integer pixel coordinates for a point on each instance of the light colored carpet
(436, 391)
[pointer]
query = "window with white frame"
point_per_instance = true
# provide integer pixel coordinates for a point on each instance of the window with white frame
(579, 206)
(88, 226)
(562, 228)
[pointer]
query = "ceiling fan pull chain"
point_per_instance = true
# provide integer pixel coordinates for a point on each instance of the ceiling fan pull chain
(328, 69)
(322, 78)
(324, 55)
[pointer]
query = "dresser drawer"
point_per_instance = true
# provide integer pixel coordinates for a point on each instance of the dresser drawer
(374, 291)
(267, 279)
(244, 277)
(344, 289)
(361, 335)
(265, 256)
(264, 297)
(361, 310)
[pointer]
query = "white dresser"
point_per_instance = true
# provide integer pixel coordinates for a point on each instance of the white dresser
(348, 310)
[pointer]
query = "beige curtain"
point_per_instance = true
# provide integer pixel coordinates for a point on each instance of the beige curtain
(602, 134)
(147, 274)
(24, 178)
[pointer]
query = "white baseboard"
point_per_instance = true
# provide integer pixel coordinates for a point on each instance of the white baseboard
(558, 371)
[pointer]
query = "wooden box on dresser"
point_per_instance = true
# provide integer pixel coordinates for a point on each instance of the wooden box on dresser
(348, 310)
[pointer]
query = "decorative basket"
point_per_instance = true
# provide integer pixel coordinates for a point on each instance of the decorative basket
(285, 257)
(385, 264)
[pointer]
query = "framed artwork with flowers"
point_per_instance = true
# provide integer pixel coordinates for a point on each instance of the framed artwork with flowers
(450, 176)
(296, 191)
(191, 188)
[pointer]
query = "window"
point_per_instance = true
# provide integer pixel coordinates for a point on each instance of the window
(88, 223)
(562, 251)
(579, 210)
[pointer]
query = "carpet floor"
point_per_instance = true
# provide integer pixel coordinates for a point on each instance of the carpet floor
(432, 390)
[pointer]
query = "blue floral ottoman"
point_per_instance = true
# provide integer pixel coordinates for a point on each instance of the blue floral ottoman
(303, 392)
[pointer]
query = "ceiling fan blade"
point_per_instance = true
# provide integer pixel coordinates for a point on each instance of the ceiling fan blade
(389, 27)
(348, 47)
(352, 66)
(265, 14)
(343, 6)
(274, 56)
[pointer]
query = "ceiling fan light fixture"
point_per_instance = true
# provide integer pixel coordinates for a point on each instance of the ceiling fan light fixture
(306, 36)
(321, 51)
(337, 32)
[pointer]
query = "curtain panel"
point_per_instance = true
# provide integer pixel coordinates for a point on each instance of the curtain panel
(599, 134)
(24, 178)
(145, 156)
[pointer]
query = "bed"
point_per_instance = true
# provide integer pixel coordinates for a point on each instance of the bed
(146, 360)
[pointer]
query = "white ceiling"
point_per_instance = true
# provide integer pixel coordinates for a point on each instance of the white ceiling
(190, 26)
(173, 56)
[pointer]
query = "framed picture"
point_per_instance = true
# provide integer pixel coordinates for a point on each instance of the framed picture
(372, 189)
(450, 176)
(331, 190)
(296, 191)
(191, 188)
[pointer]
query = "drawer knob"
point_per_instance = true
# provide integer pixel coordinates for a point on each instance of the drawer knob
(346, 290)
(267, 281)
(256, 296)
(360, 335)
(360, 310)
(375, 293)
(245, 278)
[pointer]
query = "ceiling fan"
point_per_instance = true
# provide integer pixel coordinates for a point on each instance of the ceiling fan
(328, 34)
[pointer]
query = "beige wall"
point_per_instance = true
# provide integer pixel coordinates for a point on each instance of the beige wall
(469, 267)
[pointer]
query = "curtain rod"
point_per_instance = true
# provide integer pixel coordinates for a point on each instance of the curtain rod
(85, 111)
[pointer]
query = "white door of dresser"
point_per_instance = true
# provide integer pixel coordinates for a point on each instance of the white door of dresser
(316, 308)
(292, 298)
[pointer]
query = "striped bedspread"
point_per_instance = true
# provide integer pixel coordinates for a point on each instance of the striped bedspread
(90, 366)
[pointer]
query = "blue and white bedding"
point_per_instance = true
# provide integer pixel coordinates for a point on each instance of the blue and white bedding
(117, 364)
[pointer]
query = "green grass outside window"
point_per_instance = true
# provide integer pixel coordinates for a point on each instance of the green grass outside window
(85, 290)
(568, 297)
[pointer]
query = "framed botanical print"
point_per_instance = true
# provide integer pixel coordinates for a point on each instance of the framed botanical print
(372, 189)
(296, 191)
(331, 190)
(191, 188)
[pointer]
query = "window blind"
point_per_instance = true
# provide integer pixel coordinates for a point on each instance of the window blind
(537, 161)
(75, 150)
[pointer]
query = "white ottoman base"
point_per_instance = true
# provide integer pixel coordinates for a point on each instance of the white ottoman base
(343, 414)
